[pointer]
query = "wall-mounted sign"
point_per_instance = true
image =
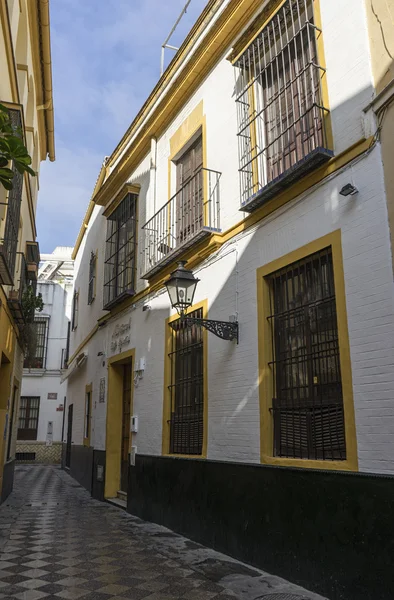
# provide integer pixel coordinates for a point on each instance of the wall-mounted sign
(102, 390)
(121, 336)
(52, 396)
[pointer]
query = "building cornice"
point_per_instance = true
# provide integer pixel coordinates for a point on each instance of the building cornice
(167, 99)
(39, 23)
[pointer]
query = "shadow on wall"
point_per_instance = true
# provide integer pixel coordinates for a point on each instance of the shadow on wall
(329, 531)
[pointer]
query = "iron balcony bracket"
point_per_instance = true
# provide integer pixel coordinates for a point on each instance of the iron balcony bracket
(226, 330)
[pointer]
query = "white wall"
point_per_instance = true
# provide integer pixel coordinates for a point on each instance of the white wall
(228, 281)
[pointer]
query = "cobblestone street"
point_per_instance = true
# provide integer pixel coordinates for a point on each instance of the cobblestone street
(56, 542)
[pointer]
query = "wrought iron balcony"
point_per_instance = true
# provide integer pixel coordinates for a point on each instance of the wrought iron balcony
(9, 239)
(189, 216)
(15, 295)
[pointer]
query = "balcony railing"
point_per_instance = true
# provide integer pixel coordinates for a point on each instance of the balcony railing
(9, 241)
(189, 216)
(15, 296)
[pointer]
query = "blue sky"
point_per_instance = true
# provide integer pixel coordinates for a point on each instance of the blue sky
(105, 61)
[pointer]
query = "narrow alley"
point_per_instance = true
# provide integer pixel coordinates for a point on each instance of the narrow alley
(57, 542)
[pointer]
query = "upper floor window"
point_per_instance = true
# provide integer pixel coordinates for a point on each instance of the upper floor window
(28, 417)
(307, 405)
(10, 229)
(92, 277)
(190, 215)
(36, 353)
(281, 115)
(75, 309)
(120, 257)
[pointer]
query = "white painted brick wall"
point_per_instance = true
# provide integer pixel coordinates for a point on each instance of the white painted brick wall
(233, 407)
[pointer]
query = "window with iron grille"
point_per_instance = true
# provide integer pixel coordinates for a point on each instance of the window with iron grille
(75, 308)
(35, 357)
(120, 261)
(281, 116)
(28, 417)
(92, 277)
(307, 407)
(9, 243)
(186, 388)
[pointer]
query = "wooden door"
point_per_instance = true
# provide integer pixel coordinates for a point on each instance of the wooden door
(69, 435)
(189, 205)
(126, 413)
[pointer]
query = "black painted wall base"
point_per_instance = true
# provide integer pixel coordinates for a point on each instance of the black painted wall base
(97, 484)
(84, 465)
(8, 480)
(81, 465)
(327, 531)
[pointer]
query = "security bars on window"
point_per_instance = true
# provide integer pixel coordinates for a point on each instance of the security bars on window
(120, 252)
(186, 218)
(36, 358)
(307, 407)
(28, 417)
(75, 309)
(92, 277)
(9, 243)
(187, 387)
(281, 116)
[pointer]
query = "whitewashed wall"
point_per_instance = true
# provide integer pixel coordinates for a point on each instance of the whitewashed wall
(228, 280)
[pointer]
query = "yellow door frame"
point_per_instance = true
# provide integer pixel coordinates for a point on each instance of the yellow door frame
(113, 443)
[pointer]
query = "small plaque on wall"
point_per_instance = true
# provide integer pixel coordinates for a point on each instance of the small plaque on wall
(102, 390)
(52, 396)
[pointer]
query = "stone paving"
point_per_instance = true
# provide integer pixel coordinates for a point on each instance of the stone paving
(57, 542)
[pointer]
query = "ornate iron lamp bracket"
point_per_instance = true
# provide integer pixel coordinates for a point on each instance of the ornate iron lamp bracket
(226, 330)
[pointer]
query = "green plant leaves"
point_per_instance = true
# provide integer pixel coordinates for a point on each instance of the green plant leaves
(12, 149)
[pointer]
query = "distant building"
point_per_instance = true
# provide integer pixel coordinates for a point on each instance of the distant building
(43, 394)
(26, 90)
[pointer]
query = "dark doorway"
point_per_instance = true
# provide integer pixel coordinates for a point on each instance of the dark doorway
(126, 407)
(69, 435)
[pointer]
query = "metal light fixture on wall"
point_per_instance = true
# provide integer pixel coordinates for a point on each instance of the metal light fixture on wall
(181, 287)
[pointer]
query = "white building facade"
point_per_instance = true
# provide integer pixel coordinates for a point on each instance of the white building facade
(43, 394)
(254, 161)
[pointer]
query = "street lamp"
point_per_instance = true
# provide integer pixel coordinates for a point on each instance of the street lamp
(181, 287)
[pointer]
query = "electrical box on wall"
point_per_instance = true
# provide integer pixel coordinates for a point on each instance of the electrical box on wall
(134, 424)
(140, 366)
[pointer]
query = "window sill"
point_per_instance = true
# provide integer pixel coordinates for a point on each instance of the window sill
(321, 465)
(119, 299)
(312, 161)
(174, 254)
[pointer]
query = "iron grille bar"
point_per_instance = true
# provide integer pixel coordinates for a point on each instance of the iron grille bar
(15, 298)
(280, 110)
(185, 218)
(9, 243)
(37, 354)
(120, 261)
(186, 387)
(307, 407)
(92, 277)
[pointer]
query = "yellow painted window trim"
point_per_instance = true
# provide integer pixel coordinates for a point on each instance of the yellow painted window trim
(265, 356)
(88, 390)
(127, 188)
(167, 378)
